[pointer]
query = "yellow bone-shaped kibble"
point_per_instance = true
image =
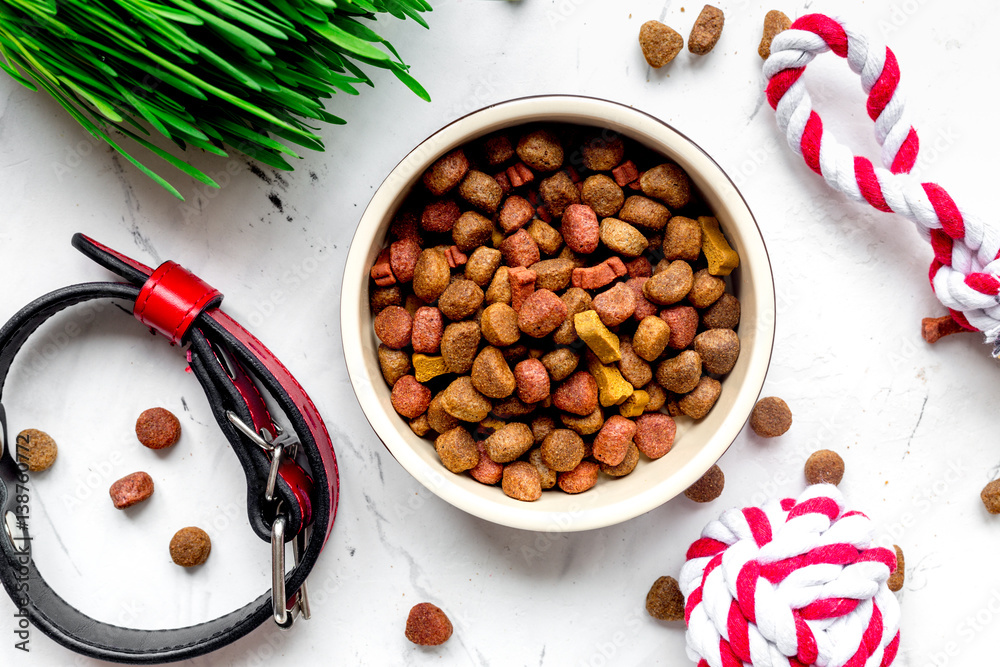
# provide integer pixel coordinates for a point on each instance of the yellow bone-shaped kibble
(722, 259)
(598, 337)
(635, 404)
(426, 367)
(614, 389)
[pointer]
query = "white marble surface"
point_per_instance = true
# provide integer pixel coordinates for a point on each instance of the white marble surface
(915, 423)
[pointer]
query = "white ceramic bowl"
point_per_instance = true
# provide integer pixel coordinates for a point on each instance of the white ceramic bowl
(697, 445)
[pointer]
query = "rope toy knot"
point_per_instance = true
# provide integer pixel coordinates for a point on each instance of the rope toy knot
(964, 272)
(791, 584)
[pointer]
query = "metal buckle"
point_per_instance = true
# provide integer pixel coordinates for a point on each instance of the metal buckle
(278, 446)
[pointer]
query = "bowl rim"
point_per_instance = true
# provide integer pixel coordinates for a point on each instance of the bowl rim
(355, 278)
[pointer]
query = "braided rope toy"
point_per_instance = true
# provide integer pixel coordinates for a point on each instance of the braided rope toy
(794, 583)
(964, 272)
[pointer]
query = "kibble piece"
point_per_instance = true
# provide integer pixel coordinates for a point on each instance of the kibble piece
(532, 381)
(723, 314)
(709, 487)
(579, 479)
(824, 467)
(598, 337)
(190, 546)
(37, 449)
(157, 428)
(461, 400)
(427, 625)
(670, 285)
(719, 350)
(612, 443)
(580, 228)
(461, 299)
(774, 23)
(511, 408)
(659, 43)
(427, 367)
(487, 471)
(722, 259)
(482, 264)
(131, 489)
(499, 325)
(560, 363)
(491, 375)
(420, 426)
(622, 238)
(471, 230)
(499, 289)
(651, 338)
(644, 212)
(612, 387)
(657, 397)
(440, 215)
(521, 481)
(457, 450)
(394, 364)
(409, 397)
(558, 192)
(393, 327)
(706, 31)
(898, 576)
(382, 297)
(604, 152)
(602, 194)
(627, 465)
(540, 150)
(541, 313)
(682, 239)
(771, 417)
(991, 497)
(634, 405)
(700, 400)
(437, 418)
(446, 173)
(577, 300)
(459, 345)
(541, 426)
(403, 255)
(515, 213)
(553, 274)
(643, 307)
(510, 442)
(546, 237)
(683, 323)
(680, 374)
(577, 395)
(654, 434)
(585, 425)
(665, 601)
(428, 327)
(633, 368)
(522, 284)
(519, 249)
(668, 183)
(562, 450)
(481, 190)
(615, 305)
(706, 289)
(546, 474)
(431, 275)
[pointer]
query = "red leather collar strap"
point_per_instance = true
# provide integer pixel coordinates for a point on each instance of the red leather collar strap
(236, 371)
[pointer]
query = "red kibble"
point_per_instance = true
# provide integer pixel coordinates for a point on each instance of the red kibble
(580, 229)
(643, 307)
(625, 173)
(522, 285)
(532, 381)
(541, 313)
(519, 249)
(519, 174)
(440, 216)
(393, 327)
(455, 256)
(427, 625)
(381, 272)
(543, 213)
(503, 182)
(409, 397)
(639, 268)
(683, 322)
(579, 479)
(934, 329)
(577, 395)
(515, 213)
(487, 471)
(428, 327)
(611, 443)
(654, 435)
(403, 256)
(131, 489)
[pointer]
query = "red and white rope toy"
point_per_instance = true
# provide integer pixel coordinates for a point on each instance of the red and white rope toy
(791, 584)
(964, 273)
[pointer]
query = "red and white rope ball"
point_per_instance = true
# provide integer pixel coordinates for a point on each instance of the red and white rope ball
(964, 273)
(791, 584)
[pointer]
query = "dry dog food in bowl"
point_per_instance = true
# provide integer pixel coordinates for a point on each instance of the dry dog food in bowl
(554, 294)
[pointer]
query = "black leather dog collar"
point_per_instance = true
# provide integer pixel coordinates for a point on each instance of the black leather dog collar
(224, 357)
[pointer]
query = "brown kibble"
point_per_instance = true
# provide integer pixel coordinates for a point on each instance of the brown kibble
(560, 363)
(131, 489)
(657, 397)
(157, 428)
(603, 153)
(824, 467)
(499, 289)
(546, 474)
(491, 376)
(461, 400)
(579, 479)
(622, 238)
(470, 231)
(644, 212)
(440, 215)
(706, 31)
(190, 546)
(521, 481)
(668, 183)
(643, 307)
(680, 374)
(532, 381)
(482, 264)
(457, 450)
(509, 442)
(519, 249)
(427, 625)
(654, 434)
(627, 465)
(562, 450)
(709, 487)
(481, 190)
(460, 299)
(659, 43)
(991, 497)
(706, 289)
(558, 191)
(382, 297)
(437, 418)
(774, 23)
(651, 338)
(633, 368)
(499, 325)
(580, 229)
(512, 407)
(38, 450)
(683, 323)
(602, 194)
(541, 313)
(541, 426)
(723, 314)
(682, 239)
(515, 213)
(420, 426)
(671, 285)
(585, 425)
(665, 601)
(446, 173)
(719, 350)
(409, 397)
(577, 300)
(577, 395)
(612, 443)
(546, 237)
(771, 417)
(394, 364)
(933, 329)
(540, 150)
(431, 275)
(553, 274)
(898, 576)
(498, 149)
(615, 305)
(700, 400)
(487, 471)
(459, 345)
